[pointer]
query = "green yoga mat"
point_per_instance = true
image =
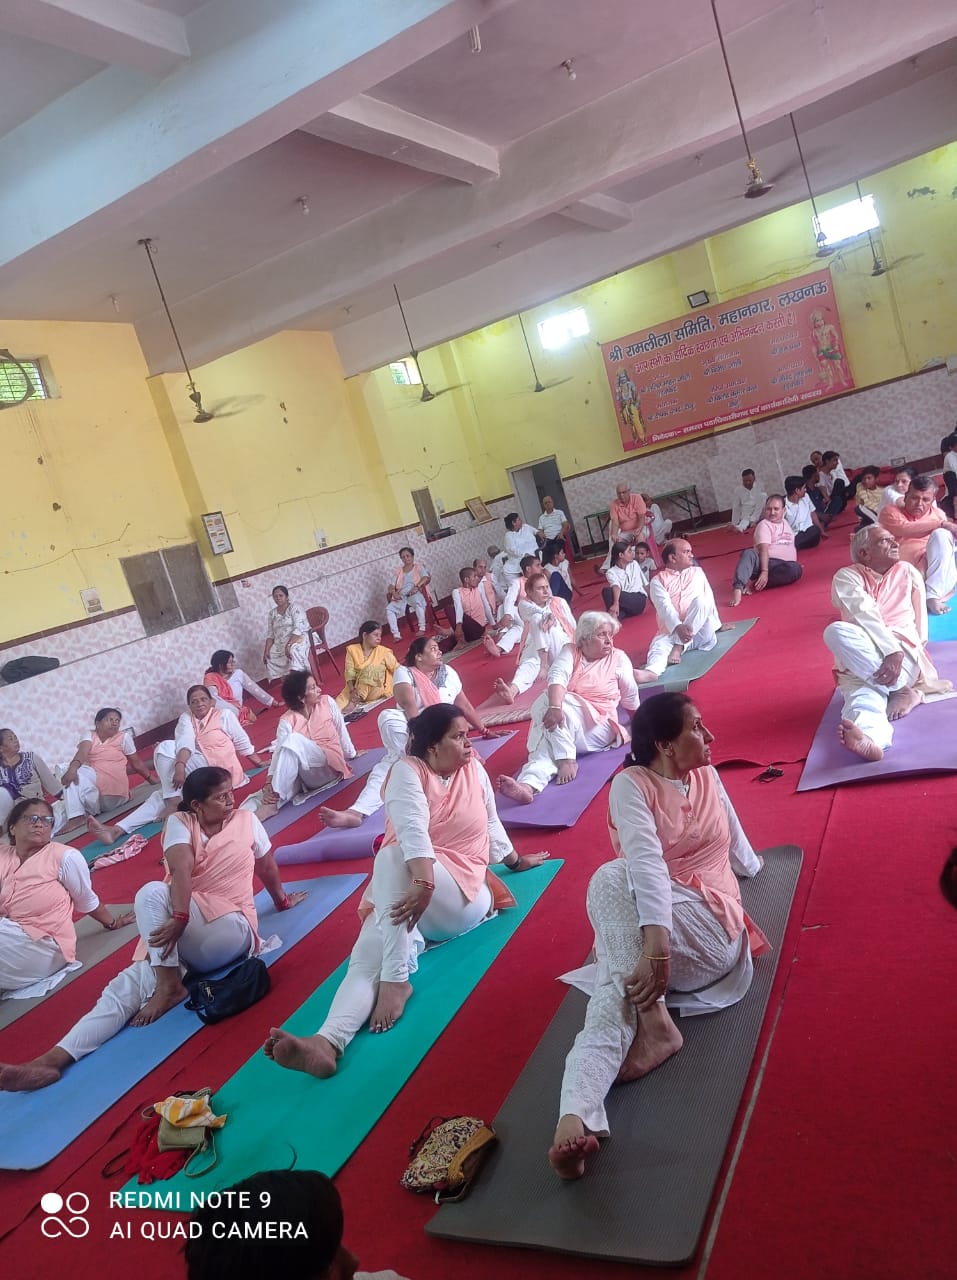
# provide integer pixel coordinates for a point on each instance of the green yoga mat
(267, 1105)
(696, 663)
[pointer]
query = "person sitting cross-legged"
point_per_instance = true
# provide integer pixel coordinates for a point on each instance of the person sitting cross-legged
(772, 561)
(687, 614)
(578, 713)
(626, 595)
(667, 915)
(801, 516)
(430, 883)
(880, 645)
(867, 496)
(926, 539)
(473, 612)
(549, 626)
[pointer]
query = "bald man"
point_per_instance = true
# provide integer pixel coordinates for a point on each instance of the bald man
(687, 614)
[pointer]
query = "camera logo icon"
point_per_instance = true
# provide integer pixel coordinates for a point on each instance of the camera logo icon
(75, 1205)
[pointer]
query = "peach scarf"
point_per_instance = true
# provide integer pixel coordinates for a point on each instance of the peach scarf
(319, 728)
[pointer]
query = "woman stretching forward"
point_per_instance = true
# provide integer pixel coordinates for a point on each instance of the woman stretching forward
(429, 884)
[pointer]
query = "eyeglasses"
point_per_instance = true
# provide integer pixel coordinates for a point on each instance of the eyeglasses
(35, 819)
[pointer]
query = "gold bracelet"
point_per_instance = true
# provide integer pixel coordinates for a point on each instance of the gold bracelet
(646, 956)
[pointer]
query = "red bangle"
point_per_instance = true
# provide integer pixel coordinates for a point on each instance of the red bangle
(181, 915)
(284, 905)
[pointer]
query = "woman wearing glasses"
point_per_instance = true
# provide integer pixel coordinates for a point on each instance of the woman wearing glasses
(42, 883)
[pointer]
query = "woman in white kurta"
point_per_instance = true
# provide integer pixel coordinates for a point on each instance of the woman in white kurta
(667, 917)
(429, 883)
(42, 885)
(287, 636)
(25, 776)
(96, 777)
(422, 680)
(202, 917)
(312, 741)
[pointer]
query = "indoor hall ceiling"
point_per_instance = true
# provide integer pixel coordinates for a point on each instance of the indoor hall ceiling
(481, 183)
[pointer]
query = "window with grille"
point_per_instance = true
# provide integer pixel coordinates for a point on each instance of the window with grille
(170, 588)
(14, 379)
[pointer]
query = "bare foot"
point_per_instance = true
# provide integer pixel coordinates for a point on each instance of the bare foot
(103, 833)
(491, 648)
(312, 1054)
(937, 606)
(27, 1078)
(858, 742)
(657, 1040)
(393, 997)
(675, 656)
(515, 790)
(166, 996)
(902, 702)
(726, 626)
(340, 817)
(735, 597)
(571, 1148)
(504, 690)
(567, 771)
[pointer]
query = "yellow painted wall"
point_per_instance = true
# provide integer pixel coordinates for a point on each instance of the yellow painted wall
(96, 451)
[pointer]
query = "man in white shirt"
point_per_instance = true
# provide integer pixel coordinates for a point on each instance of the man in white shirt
(687, 613)
(800, 514)
(507, 631)
(950, 476)
(748, 505)
(818, 459)
(831, 484)
(549, 626)
(552, 523)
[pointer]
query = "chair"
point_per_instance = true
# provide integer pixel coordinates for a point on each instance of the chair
(318, 618)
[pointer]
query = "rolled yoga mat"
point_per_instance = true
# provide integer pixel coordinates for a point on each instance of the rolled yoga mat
(645, 1194)
(562, 806)
(697, 663)
(924, 741)
(35, 1127)
(494, 711)
(341, 1111)
(93, 943)
(331, 844)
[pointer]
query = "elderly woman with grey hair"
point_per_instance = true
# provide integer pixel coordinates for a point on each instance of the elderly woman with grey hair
(578, 713)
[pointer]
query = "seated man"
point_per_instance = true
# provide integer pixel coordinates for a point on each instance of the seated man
(867, 496)
(553, 524)
(812, 483)
(660, 526)
(879, 646)
(800, 514)
(473, 613)
(748, 504)
(832, 485)
(485, 583)
(687, 614)
(626, 516)
(507, 631)
(950, 474)
(926, 539)
(549, 626)
(410, 587)
(772, 561)
(578, 713)
(556, 567)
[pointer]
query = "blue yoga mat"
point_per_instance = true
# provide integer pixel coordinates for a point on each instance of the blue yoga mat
(35, 1127)
(320, 1123)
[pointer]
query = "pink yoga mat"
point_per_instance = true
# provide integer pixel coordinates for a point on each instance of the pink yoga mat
(924, 742)
(562, 806)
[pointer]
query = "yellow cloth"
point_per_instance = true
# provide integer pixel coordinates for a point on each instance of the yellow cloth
(370, 674)
(188, 1113)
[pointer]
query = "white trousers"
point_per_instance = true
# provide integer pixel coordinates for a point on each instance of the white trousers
(660, 530)
(83, 796)
(203, 947)
(395, 610)
(299, 765)
(572, 739)
(385, 952)
(941, 575)
(278, 664)
(154, 806)
(701, 953)
(394, 732)
(703, 621)
(239, 681)
(865, 702)
(25, 960)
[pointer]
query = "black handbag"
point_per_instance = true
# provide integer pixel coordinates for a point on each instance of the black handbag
(213, 999)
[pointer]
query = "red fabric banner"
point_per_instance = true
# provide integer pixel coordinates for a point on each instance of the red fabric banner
(766, 351)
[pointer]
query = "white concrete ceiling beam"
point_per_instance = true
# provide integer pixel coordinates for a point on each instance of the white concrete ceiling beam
(124, 33)
(118, 145)
(380, 129)
(604, 213)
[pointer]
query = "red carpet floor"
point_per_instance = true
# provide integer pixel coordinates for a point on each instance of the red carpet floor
(844, 1163)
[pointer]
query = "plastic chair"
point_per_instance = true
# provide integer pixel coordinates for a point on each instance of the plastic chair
(318, 618)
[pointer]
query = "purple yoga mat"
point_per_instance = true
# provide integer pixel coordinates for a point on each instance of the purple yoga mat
(563, 806)
(291, 813)
(339, 845)
(924, 742)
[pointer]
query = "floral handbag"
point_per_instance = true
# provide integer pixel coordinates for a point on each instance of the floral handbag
(447, 1156)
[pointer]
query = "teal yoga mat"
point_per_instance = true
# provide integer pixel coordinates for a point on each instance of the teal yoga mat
(943, 626)
(342, 1111)
(696, 663)
(35, 1127)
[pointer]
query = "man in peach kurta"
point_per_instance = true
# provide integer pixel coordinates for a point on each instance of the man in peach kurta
(684, 602)
(926, 539)
(880, 645)
(627, 516)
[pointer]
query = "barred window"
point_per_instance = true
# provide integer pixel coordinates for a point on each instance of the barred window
(14, 376)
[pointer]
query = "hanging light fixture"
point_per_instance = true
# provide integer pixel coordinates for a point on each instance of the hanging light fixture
(538, 381)
(824, 250)
(756, 184)
(878, 268)
(427, 395)
(202, 415)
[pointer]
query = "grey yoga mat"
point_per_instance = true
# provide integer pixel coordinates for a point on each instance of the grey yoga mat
(645, 1195)
(697, 662)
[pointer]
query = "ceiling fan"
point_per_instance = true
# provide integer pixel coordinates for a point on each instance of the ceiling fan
(427, 393)
(539, 385)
